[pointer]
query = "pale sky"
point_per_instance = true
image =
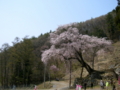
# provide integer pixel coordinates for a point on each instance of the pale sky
(20, 18)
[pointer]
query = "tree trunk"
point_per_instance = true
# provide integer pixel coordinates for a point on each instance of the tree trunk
(44, 75)
(81, 72)
(91, 71)
(70, 74)
(93, 62)
(49, 77)
(87, 67)
(81, 75)
(81, 60)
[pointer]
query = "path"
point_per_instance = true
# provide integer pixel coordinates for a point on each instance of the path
(62, 85)
(59, 85)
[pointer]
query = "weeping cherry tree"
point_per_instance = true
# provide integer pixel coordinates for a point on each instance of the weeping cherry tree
(68, 44)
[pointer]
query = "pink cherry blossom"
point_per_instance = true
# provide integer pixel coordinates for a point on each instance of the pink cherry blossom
(65, 44)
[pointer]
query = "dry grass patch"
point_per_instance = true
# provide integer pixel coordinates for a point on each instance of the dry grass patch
(48, 85)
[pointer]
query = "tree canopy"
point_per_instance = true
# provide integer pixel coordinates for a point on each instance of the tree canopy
(70, 44)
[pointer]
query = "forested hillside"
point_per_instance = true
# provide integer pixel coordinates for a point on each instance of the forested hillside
(21, 63)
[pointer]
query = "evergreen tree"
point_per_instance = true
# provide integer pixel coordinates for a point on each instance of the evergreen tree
(117, 21)
(23, 56)
(117, 18)
(111, 29)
